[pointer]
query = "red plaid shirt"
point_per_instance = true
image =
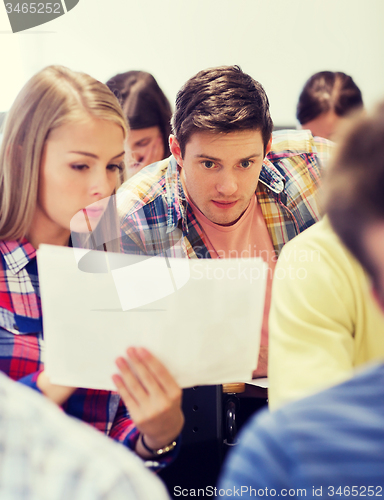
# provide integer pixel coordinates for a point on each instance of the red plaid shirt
(22, 346)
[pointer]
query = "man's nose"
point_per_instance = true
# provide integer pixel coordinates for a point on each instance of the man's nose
(227, 184)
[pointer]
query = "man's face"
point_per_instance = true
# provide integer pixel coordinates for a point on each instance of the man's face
(374, 246)
(220, 172)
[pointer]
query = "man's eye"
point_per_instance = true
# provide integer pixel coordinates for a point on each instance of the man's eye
(246, 164)
(208, 164)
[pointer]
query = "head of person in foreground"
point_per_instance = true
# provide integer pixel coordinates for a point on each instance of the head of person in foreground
(355, 194)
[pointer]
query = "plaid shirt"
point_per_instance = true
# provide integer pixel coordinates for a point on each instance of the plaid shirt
(22, 346)
(152, 205)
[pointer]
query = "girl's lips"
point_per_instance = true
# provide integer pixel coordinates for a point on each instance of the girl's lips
(93, 212)
(224, 204)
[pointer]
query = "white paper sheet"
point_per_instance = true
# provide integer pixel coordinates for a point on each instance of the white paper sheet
(258, 382)
(201, 318)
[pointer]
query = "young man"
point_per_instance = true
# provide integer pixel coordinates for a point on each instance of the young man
(330, 444)
(229, 189)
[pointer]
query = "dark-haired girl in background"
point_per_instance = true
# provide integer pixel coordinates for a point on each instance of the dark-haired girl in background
(148, 113)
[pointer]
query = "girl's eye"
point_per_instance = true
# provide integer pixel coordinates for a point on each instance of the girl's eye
(113, 167)
(143, 143)
(79, 166)
(208, 164)
(246, 164)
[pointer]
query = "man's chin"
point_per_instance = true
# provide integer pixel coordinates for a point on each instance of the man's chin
(228, 220)
(225, 221)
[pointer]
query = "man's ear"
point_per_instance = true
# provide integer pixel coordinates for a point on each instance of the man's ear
(269, 146)
(174, 147)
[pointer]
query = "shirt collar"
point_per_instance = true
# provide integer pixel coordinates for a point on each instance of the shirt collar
(271, 177)
(175, 198)
(17, 254)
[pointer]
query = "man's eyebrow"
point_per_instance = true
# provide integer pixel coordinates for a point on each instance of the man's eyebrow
(255, 155)
(91, 155)
(208, 157)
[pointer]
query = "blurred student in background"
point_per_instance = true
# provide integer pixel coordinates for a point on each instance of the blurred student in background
(148, 113)
(327, 97)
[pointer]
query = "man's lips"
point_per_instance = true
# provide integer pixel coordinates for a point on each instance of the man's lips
(224, 204)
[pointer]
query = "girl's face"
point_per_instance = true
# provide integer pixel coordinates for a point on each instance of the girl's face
(80, 166)
(143, 147)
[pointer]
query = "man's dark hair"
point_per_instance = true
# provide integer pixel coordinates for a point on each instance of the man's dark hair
(143, 102)
(326, 91)
(223, 99)
(354, 185)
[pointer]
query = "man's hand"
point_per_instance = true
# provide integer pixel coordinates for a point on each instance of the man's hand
(56, 393)
(152, 397)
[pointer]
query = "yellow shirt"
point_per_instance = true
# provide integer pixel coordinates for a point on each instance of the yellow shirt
(323, 320)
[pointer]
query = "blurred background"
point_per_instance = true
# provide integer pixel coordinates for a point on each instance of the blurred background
(279, 42)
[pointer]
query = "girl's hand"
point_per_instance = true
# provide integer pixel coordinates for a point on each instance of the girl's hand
(153, 152)
(56, 393)
(152, 397)
(143, 156)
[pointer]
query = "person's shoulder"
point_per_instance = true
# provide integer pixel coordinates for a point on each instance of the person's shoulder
(344, 402)
(144, 187)
(62, 452)
(286, 143)
(317, 234)
(322, 239)
(320, 439)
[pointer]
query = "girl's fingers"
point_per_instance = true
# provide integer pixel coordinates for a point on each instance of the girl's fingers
(132, 384)
(129, 401)
(143, 372)
(159, 372)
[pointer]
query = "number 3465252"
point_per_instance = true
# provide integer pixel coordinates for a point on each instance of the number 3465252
(34, 8)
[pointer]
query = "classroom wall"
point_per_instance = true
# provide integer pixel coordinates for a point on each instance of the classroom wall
(279, 42)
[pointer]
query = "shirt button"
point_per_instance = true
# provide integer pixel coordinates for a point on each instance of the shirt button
(15, 327)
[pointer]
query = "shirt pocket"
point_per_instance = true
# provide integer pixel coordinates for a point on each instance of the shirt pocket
(19, 325)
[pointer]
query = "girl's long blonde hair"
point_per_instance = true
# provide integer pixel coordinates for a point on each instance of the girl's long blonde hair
(51, 98)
